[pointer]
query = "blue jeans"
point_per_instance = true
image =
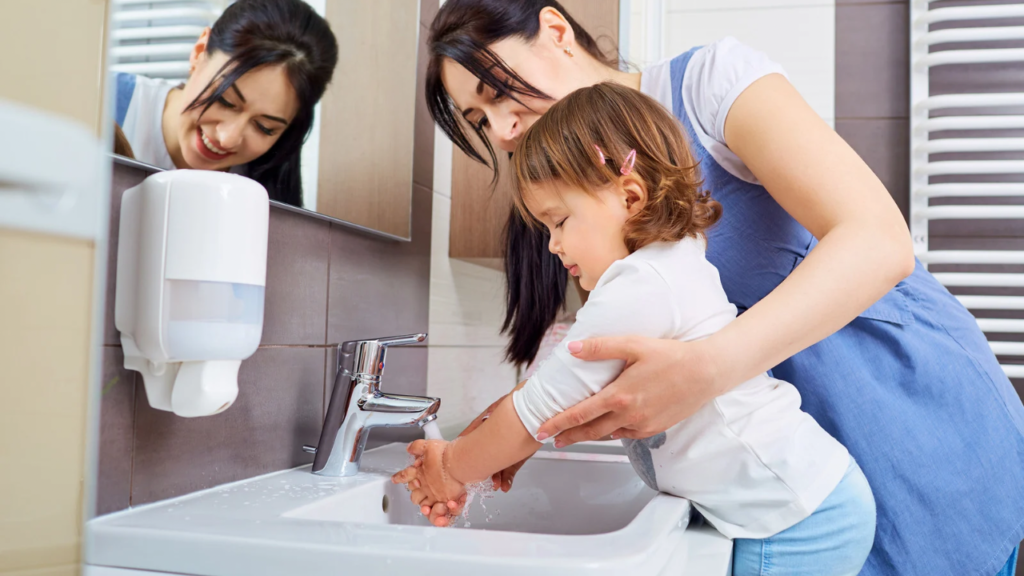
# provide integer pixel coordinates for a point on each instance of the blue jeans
(833, 541)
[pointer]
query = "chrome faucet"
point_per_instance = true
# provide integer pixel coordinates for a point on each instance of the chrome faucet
(357, 405)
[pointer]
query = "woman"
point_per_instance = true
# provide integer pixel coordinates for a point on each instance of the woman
(814, 252)
(247, 105)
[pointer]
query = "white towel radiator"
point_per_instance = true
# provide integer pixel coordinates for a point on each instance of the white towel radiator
(968, 33)
(154, 37)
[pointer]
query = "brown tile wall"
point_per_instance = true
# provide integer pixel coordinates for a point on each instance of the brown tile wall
(325, 284)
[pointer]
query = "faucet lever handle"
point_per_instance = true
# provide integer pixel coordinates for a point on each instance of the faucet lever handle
(402, 340)
(366, 357)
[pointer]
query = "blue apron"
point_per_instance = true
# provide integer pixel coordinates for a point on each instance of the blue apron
(910, 387)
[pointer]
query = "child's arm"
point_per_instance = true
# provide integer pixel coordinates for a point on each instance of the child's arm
(499, 442)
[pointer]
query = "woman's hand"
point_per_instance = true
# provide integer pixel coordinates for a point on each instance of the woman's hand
(502, 480)
(663, 383)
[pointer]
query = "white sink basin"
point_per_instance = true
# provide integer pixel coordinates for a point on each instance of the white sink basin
(564, 516)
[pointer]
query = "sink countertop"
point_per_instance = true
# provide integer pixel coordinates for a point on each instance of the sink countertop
(244, 528)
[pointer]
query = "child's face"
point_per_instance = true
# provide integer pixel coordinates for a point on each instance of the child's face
(586, 229)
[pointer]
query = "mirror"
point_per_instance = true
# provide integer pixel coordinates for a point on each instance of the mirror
(356, 165)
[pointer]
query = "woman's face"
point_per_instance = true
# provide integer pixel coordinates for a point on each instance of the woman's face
(243, 124)
(542, 62)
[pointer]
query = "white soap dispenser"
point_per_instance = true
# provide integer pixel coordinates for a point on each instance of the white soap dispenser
(191, 273)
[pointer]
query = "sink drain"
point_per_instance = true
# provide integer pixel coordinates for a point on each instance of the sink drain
(385, 504)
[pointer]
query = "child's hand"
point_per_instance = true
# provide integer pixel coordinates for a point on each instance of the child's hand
(435, 483)
(438, 494)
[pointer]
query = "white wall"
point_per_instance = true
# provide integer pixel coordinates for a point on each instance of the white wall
(799, 34)
(465, 351)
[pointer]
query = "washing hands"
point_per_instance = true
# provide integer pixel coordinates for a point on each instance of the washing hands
(440, 495)
(492, 448)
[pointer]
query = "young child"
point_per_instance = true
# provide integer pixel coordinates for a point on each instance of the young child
(608, 172)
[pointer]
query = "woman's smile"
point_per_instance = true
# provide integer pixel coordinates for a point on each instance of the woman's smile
(208, 148)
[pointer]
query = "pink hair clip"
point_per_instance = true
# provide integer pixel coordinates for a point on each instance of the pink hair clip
(627, 164)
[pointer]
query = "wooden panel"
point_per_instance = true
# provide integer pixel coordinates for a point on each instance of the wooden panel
(367, 125)
(478, 211)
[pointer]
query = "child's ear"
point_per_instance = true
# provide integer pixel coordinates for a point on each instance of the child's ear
(634, 194)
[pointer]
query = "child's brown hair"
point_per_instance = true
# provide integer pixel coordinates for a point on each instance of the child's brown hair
(563, 145)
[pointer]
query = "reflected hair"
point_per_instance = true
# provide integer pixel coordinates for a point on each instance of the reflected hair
(287, 33)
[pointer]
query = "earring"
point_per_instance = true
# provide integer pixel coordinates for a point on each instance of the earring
(568, 51)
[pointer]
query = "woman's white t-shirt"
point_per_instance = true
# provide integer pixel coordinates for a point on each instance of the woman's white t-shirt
(715, 76)
(143, 123)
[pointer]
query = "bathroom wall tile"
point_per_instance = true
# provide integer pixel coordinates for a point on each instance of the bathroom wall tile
(423, 139)
(278, 410)
(123, 179)
(885, 145)
(467, 301)
(872, 60)
(800, 38)
(467, 379)
(379, 287)
(296, 297)
(117, 430)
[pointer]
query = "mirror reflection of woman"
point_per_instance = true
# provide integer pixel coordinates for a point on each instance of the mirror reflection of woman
(813, 250)
(247, 106)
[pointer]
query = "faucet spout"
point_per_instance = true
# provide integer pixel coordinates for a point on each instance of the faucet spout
(357, 405)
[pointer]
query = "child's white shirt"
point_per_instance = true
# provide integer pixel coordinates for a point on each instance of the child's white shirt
(750, 460)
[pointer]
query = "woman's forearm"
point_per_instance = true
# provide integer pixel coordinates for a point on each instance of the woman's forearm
(499, 442)
(848, 271)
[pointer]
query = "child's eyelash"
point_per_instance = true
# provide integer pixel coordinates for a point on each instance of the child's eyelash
(560, 222)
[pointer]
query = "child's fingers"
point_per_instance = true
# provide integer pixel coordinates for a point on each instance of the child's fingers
(420, 497)
(425, 510)
(437, 513)
(417, 448)
(404, 476)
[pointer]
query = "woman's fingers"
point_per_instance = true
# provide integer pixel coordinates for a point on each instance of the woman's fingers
(606, 425)
(580, 414)
(626, 348)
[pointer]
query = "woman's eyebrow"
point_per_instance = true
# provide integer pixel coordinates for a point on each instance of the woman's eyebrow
(239, 93)
(275, 119)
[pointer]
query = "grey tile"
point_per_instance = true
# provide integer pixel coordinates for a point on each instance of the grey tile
(123, 179)
(846, 2)
(380, 287)
(278, 410)
(296, 298)
(872, 60)
(423, 140)
(117, 429)
(885, 145)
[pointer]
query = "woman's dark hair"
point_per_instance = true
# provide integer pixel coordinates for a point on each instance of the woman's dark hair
(288, 33)
(535, 282)
(463, 31)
